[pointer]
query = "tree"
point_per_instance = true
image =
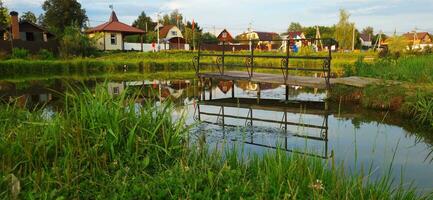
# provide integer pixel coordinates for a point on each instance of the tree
(174, 18)
(63, 13)
(41, 20)
(28, 16)
(4, 15)
(144, 22)
(344, 31)
(74, 43)
(209, 38)
(368, 31)
(295, 27)
(397, 44)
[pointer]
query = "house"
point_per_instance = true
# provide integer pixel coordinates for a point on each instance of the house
(366, 40)
(26, 35)
(296, 38)
(419, 40)
(171, 35)
(266, 39)
(225, 36)
(111, 35)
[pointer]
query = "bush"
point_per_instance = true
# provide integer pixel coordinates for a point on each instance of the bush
(75, 43)
(18, 53)
(45, 55)
(427, 50)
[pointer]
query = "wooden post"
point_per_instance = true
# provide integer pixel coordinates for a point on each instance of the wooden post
(287, 92)
(233, 89)
(258, 92)
(105, 47)
(141, 42)
(223, 57)
(210, 89)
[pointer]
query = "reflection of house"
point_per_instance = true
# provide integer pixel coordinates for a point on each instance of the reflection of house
(225, 36)
(419, 40)
(172, 36)
(111, 35)
(115, 88)
(26, 35)
(249, 86)
(366, 40)
(225, 86)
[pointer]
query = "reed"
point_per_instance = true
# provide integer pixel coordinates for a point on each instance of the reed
(100, 146)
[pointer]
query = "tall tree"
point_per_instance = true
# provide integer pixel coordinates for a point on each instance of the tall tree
(174, 18)
(144, 22)
(368, 31)
(41, 20)
(62, 13)
(28, 16)
(295, 27)
(344, 31)
(4, 15)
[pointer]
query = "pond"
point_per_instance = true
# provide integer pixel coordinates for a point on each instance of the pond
(229, 115)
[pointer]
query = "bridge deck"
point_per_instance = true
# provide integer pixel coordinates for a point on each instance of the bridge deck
(306, 81)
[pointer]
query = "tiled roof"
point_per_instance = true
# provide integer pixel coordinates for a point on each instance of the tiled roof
(365, 37)
(164, 31)
(266, 36)
(420, 35)
(115, 26)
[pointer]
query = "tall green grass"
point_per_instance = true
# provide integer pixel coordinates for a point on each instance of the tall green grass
(101, 146)
(417, 69)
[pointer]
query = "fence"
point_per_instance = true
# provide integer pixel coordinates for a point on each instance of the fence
(32, 46)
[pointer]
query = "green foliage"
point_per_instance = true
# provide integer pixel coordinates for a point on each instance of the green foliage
(209, 38)
(418, 69)
(44, 54)
(74, 43)
(29, 17)
(295, 27)
(18, 53)
(344, 31)
(108, 147)
(421, 106)
(397, 44)
(4, 15)
(60, 14)
(144, 22)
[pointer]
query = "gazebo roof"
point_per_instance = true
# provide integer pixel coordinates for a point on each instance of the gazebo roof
(115, 26)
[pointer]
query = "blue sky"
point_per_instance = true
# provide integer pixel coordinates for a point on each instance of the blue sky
(264, 15)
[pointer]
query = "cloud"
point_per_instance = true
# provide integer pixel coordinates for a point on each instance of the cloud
(269, 15)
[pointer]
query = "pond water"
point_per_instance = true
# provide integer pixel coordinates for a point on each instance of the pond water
(305, 124)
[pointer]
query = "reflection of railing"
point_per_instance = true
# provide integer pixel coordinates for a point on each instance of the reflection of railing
(250, 120)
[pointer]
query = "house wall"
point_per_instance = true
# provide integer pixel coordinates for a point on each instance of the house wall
(174, 32)
(105, 38)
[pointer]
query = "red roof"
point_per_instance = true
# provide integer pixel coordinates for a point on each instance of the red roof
(419, 36)
(294, 34)
(115, 26)
(228, 37)
(164, 30)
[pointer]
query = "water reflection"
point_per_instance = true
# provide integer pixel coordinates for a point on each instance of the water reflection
(229, 113)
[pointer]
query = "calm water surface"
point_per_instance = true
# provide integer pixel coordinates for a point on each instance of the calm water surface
(359, 138)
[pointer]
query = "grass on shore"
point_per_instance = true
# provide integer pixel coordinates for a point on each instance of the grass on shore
(105, 147)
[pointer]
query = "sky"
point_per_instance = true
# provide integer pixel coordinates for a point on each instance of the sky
(388, 16)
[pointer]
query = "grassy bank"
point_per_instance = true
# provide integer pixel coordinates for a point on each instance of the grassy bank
(104, 147)
(411, 97)
(149, 62)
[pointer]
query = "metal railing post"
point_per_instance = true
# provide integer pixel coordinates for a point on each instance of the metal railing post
(224, 45)
(252, 59)
(287, 61)
(198, 59)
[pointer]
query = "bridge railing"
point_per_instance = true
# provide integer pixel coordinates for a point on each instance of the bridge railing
(244, 55)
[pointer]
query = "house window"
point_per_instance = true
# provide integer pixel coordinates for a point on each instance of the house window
(113, 39)
(174, 33)
(224, 35)
(30, 36)
(116, 90)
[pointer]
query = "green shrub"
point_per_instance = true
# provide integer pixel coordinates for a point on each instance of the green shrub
(45, 55)
(18, 53)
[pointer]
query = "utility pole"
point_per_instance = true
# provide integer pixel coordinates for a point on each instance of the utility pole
(318, 38)
(157, 31)
(249, 35)
(353, 38)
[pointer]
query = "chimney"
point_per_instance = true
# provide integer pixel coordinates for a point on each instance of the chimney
(15, 25)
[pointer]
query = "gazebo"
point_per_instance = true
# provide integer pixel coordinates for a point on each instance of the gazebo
(111, 35)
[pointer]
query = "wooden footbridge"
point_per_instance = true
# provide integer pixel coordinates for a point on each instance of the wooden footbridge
(246, 65)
